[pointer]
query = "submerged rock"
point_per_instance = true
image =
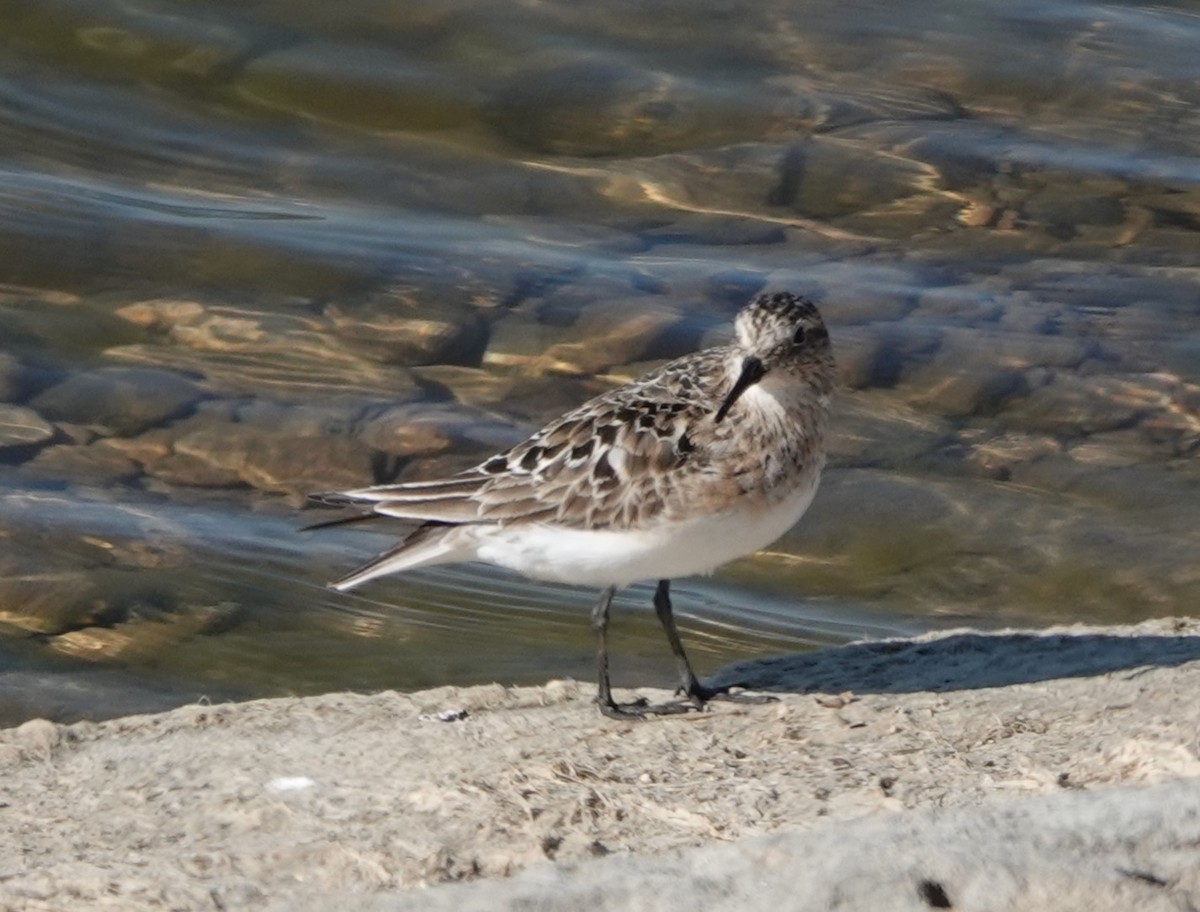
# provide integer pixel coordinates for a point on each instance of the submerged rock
(271, 460)
(91, 464)
(143, 634)
(118, 400)
(614, 332)
(360, 85)
(998, 456)
(13, 379)
(966, 391)
(582, 340)
(427, 430)
(46, 597)
(267, 353)
(811, 183)
(22, 427)
(595, 106)
(405, 328)
(972, 373)
(1063, 403)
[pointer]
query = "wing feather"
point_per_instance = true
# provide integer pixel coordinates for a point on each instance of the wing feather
(616, 460)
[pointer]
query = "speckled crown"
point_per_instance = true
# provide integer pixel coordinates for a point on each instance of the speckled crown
(769, 315)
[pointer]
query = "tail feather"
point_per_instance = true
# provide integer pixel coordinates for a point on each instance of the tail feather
(415, 490)
(429, 545)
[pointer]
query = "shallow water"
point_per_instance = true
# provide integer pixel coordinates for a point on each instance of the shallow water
(253, 250)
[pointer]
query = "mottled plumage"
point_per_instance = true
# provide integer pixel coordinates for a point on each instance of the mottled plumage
(708, 458)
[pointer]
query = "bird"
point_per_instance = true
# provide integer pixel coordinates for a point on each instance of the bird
(706, 459)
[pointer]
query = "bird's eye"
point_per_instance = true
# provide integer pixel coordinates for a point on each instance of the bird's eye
(798, 338)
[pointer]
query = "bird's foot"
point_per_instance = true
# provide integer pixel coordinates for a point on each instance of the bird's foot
(642, 708)
(695, 699)
(699, 695)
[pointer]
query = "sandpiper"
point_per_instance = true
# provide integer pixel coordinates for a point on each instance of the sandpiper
(706, 459)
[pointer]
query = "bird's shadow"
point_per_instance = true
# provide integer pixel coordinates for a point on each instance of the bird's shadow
(957, 661)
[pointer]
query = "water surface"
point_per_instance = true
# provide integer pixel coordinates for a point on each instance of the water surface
(252, 250)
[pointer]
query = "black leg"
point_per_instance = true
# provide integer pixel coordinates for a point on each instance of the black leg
(600, 625)
(689, 684)
(604, 697)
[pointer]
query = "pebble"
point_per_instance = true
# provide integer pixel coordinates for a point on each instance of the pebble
(472, 386)
(92, 464)
(405, 431)
(1153, 338)
(907, 348)
(702, 231)
(406, 328)
(13, 380)
(371, 86)
(813, 177)
(520, 340)
(270, 460)
(1065, 403)
(846, 105)
(22, 427)
(999, 456)
(513, 394)
(1131, 488)
(119, 401)
(960, 304)
(162, 314)
(38, 738)
(865, 357)
(806, 180)
(426, 430)
(566, 334)
(594, 106)
(77, 433)
(1116, 449)
(972, 373)
(148, 447)
(145, 631)
(146, 45)
(45, 596)
(867, 304)
(842, 554)
(1064, 203)
(193, 471)
(321, 418)
(878, 428)
(298, 366)
(961, 392)
(614, 332)
(1091, 290)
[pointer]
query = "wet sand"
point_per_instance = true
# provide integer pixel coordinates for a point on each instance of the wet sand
(1051, 769)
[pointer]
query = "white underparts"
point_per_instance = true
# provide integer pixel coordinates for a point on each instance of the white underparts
(617, 558)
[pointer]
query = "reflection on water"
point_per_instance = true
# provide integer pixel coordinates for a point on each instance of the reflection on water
(248, 251)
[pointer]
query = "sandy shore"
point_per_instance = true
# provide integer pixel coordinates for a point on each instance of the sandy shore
(1010, 770)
